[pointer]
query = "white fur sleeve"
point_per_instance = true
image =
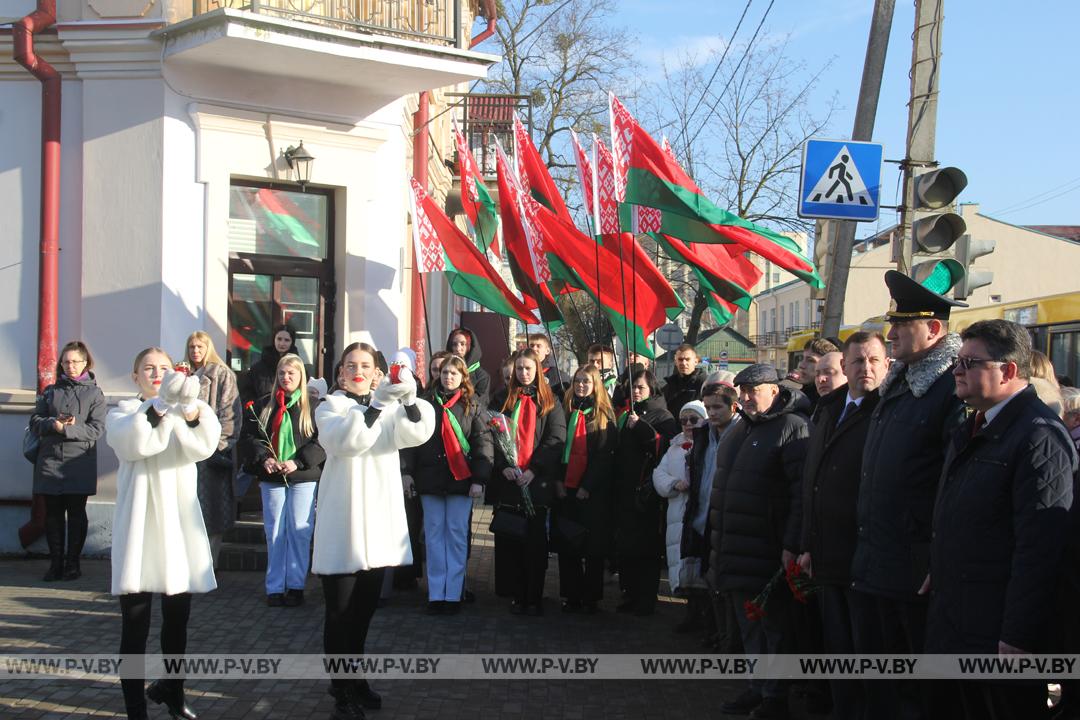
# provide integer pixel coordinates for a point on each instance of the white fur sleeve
(672, 469)
(129, 433)
(199, 442)
(410, 434)
(342, 429)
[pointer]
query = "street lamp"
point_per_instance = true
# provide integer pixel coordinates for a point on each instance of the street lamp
(300, 160)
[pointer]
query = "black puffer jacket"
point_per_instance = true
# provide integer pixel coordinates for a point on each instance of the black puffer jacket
(681, 389)
(427, 463)
(902, 461)
(67, 460)
(546, 463)
(253, 450)
(1000, 527)
(755, 510)
(831, 485)
(258, 381)
(478, 376)
(637, 506)
(595, 511)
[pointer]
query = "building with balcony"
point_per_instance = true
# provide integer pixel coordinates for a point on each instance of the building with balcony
(181, 203)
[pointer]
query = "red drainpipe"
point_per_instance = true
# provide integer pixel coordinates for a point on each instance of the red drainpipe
(418, 332)
(491, 13)
(23, 33)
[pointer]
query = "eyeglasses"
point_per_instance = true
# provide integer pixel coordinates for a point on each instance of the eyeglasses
(967, 363)
(688, 421)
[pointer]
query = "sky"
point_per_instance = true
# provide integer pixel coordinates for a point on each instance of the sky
(1008, 106)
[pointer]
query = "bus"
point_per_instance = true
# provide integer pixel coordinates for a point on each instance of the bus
(1052, 320)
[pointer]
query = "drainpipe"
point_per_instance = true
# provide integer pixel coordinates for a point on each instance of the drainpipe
(418, 330)
(23, 33)
(491, 13)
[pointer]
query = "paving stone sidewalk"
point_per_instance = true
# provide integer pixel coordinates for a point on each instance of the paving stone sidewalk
(81, 617)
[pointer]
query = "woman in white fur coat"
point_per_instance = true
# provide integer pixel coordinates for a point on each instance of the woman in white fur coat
(360, 523)
(159, 540)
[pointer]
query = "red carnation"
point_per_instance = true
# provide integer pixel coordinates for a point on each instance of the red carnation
(753, 611)
(249, 404)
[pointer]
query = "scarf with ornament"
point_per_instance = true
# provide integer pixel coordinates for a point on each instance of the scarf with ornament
(575, 451)
(454, 440)
(524, 421)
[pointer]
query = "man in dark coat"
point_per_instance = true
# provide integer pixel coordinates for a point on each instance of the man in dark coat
(685, 383)
(830, 489)
(755, 517)
(463, 343)
(549, 364)
(902, 460)
(1000, 524)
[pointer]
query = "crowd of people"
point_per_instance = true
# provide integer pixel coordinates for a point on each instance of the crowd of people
(922, 484)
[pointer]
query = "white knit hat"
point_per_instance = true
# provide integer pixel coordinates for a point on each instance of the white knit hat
(695, 406)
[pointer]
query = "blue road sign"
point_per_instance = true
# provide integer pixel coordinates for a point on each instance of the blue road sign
(840, 180)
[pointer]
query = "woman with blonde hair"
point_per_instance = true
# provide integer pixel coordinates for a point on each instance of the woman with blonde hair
(159, 541)
(280, 447)
(584, 491)
(217, 388)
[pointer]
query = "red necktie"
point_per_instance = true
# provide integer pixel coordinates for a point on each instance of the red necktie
(980, 420)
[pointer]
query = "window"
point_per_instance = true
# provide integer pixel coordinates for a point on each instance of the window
(776, 277)
(269, 221)
(763, 326)
(772, 320)
(795, 312)
(782, 325)
(809, 317)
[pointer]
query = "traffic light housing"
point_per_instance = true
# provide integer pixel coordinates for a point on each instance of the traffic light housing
(968, 250)
(935, 190)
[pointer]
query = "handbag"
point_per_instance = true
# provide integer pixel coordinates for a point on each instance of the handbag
(569, 534)
(509, 521)
(31, 444)
(645, 496)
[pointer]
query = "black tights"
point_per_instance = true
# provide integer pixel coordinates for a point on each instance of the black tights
(350, 604)
(135, 628)
(56, 507)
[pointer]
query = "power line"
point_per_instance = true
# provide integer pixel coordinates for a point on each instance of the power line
(1040, 202)
(1016, 205)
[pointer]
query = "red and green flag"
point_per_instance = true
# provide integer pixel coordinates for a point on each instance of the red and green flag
(477, 202)
(646, 175)
(534, 174)
(440, 245)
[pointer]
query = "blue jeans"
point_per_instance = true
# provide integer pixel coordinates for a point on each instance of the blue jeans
(288, 518)
(446, 530)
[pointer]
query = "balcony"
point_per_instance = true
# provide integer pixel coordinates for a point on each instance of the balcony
(485, 117)
(343, 60)
(434, 21)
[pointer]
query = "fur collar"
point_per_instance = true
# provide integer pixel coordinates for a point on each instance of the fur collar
(925, 372)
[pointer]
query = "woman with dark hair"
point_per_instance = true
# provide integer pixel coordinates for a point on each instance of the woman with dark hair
(159, 540)
(361, 528)
(463, 343)
(588, 458)
(280, 447)
(259, 379)
(449, 470)
(68, 418)
(538, 431)
(218, 390)
(645, 431)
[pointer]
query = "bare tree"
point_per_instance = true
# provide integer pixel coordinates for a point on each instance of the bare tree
(741, 139)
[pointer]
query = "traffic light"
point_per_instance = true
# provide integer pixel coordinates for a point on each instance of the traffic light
(934, 233)
(969, 249)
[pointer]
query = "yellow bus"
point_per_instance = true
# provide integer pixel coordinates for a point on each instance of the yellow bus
(1053, 320)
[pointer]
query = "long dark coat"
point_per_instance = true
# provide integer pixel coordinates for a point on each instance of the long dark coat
(831, 485)
(755, 510)
(427, 464)
(595, 511)
(637, 506)
(1000, 526)
(902, 460)
(546, 464)
(67, 461)
(215, 487)
(478, 376)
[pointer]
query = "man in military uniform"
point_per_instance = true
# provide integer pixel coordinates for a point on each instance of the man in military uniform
(902, 461)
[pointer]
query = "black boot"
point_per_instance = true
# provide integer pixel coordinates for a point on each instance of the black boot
(346, 703)
(171, 693)
(56, 568)
(76, 538)
(137, 712)
(71, 568)
(367, 697)
(54, 536)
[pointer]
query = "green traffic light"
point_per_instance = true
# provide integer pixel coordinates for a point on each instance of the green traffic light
(945, 274)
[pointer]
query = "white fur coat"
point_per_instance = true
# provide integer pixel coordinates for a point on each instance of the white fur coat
(360, 517)
(159, 540)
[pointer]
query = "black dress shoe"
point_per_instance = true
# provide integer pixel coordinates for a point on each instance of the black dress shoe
(275, 600)
(171, 693)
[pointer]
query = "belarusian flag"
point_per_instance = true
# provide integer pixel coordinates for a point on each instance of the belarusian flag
(440, 245)
(652, 179)
(535, 178)
(521, 253)
(638, 301)
(475, 199)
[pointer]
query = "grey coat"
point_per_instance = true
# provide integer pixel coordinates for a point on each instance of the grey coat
(218, 390)
(67, 461)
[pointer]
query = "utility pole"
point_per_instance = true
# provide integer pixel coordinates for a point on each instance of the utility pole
(869, 91)
(922, 118)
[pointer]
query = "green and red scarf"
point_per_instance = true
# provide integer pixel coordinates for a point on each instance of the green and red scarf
(454, 440)
(575, 451)
(283, 439)
(524, 421)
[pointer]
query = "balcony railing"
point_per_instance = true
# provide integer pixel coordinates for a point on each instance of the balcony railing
(436, 21)
(486, 116)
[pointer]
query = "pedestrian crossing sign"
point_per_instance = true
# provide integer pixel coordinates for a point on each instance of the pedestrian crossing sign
(840, 180)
